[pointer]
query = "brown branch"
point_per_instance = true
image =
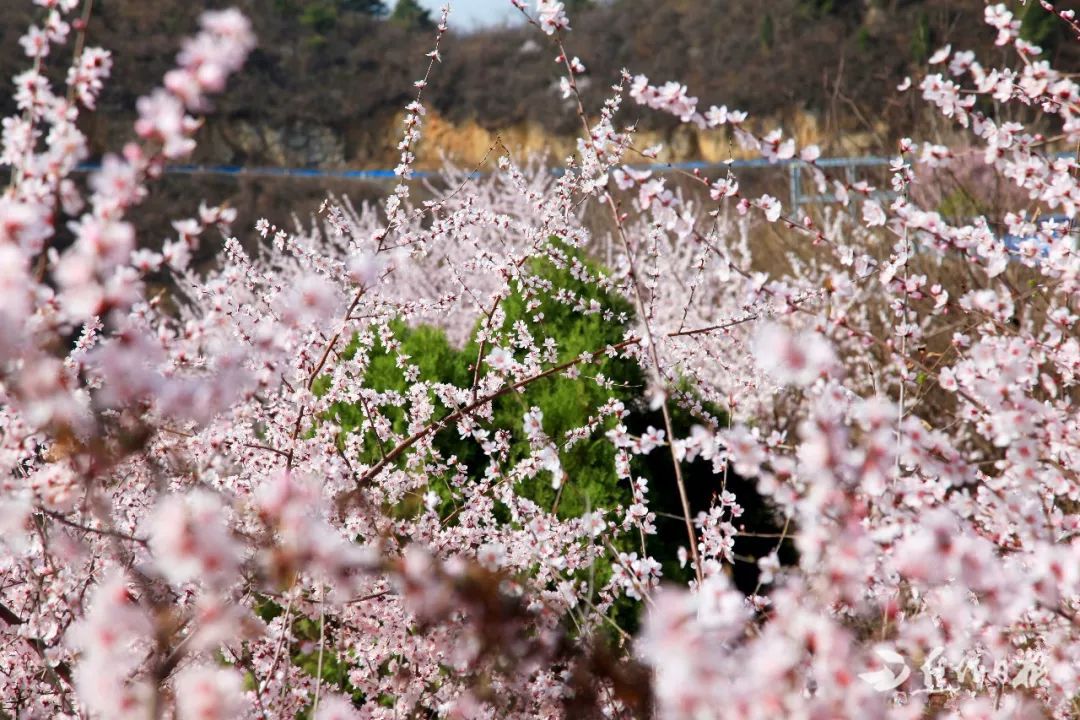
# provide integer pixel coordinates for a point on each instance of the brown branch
(9, 616)
(480, 402)
(63, 520)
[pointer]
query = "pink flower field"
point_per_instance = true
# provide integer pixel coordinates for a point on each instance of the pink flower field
(614, 441)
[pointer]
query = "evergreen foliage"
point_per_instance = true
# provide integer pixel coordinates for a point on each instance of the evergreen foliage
(566, 403)
(411, 14)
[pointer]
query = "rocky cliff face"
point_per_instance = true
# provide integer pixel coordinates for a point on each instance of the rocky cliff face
(298, 144)
(369, 144)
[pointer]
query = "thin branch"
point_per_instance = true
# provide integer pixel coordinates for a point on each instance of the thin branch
(480, 402)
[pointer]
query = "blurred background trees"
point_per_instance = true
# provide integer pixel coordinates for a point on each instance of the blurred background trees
(836, 60)
(327, 83)
(412, 15)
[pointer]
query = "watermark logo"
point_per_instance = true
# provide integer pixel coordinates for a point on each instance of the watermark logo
(885, 679)
(968, 674)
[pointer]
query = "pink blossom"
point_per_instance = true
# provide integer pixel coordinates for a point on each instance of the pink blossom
(552, 16)
(500, 360)
(797, 359)
(771, 207)
(336, 707)
(87, 76)
(190, 539)
(310, 297)
(24, 224)
(898, 386)
(872, 214)
(35, 43)
(162, 118)
(205, 693)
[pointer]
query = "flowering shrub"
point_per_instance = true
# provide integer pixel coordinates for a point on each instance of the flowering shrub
(333, 477)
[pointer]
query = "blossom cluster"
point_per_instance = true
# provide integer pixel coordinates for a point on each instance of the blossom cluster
(212, 508)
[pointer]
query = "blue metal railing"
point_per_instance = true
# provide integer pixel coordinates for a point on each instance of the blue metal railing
(291, 172)
(793, 168)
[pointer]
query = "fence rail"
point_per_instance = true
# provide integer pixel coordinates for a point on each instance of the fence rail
(850, 166)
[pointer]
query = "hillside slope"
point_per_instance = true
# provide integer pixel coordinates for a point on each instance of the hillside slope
(326, 84)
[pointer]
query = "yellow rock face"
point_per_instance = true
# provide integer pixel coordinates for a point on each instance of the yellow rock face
(466, 144)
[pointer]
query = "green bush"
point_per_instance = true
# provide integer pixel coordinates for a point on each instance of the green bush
(767, 32)
(566, 403)
(320, 17)
(921, 39)
(1041, 27)
(411, 14)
